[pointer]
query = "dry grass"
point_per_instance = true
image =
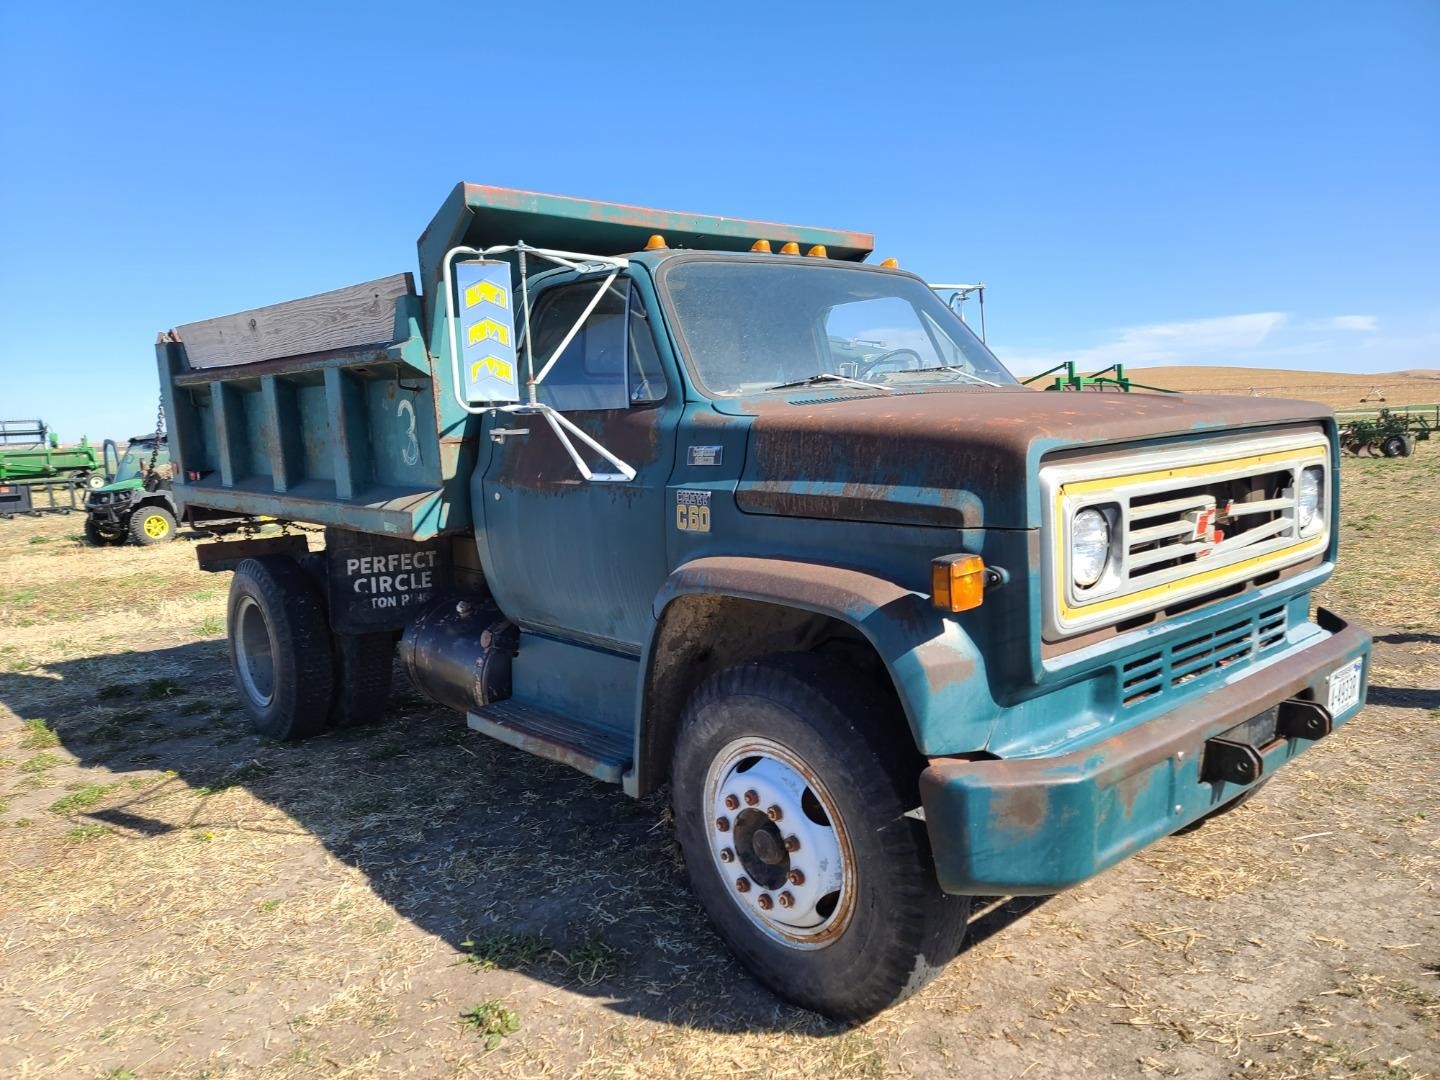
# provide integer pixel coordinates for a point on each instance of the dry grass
(182, 898)
(1336, 389)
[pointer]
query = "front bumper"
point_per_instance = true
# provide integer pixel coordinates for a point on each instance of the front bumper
(1038, 825)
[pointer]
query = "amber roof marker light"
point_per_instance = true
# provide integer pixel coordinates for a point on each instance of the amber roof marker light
(655, 243)
(790, 248)
(762, 246)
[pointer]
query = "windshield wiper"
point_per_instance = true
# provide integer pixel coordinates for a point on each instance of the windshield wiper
(964, 373)
(829, 376)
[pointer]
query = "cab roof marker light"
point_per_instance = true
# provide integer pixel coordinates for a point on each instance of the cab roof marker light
(891, 263)
(790, 248)
(817, 251)
(655, 243)
(762, 246)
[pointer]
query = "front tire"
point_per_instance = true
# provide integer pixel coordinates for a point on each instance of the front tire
(280, 649)
(791, 782)
(101, 537)
(152, 525)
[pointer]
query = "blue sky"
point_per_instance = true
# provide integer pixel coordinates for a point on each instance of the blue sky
(1251, 183)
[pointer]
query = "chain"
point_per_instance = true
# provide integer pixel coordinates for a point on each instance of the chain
(159, 431)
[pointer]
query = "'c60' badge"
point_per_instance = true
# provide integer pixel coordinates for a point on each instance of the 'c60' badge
(692, 511)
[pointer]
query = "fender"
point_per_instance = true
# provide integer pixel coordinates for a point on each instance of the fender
(937, 673)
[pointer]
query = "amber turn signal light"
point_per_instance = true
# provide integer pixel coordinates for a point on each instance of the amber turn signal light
(957, 582)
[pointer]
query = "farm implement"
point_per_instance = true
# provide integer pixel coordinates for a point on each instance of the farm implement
(1100, 380)
(1387, 432)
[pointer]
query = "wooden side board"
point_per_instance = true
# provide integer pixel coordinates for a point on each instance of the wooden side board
(358, 315)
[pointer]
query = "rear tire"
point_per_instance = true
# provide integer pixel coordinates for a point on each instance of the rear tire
(1394, 446)
(101, 537)
(152, 525)
(364, 664)
(280, 649)
(835, 756)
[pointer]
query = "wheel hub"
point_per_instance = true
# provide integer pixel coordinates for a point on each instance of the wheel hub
(780, 845)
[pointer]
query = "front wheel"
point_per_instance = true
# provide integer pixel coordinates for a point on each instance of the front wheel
(101, 537)
(791, 782)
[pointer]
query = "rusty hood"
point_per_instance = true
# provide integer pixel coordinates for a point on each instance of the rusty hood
(963, 459)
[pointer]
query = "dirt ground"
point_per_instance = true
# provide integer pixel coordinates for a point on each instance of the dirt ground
(182, 898)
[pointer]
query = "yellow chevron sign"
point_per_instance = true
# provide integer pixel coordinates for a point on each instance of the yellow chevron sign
(488, 328)
(486, 290)
(495, 366)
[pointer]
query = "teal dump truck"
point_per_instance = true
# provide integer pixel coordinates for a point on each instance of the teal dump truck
(721, 505)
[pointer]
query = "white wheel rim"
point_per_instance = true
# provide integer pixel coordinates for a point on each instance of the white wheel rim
(254, 652)
(779, 844)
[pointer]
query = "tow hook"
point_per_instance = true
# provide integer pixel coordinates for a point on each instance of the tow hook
(1233, 757)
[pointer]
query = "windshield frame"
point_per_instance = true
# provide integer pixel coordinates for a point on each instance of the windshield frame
(693, 373)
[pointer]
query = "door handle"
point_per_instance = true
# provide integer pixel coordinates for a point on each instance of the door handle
(500, 434)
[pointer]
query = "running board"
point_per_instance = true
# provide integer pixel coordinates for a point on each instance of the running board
(603, 753)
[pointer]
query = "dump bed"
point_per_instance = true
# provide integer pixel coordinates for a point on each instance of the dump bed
(332, 409)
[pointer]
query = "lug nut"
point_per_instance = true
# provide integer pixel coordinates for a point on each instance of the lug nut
(792, 843)
(774, 813)
(732, 802)
(765, 902)
(786, 900)
(742, 884)
(723, 824)
(795, 877)
(727, 855)
(752, 797)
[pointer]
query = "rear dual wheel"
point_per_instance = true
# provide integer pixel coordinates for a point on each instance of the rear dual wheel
(791, 784)
(295, 677)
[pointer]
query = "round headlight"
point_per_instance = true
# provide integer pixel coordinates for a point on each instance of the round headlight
(1307, 505)
(1089, 547)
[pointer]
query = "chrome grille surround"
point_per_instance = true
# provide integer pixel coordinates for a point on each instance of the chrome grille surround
(1165, 506)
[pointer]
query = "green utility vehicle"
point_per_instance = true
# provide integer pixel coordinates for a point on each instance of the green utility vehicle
(139, 504)
(718, 504)
(30, 451)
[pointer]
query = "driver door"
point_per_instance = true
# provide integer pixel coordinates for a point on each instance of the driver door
(575, 558)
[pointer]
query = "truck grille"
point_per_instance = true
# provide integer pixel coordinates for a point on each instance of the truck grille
(1186, 522)
(1168, 532)
(1192, 657)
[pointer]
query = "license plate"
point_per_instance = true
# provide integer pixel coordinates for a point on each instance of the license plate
(1345, 687)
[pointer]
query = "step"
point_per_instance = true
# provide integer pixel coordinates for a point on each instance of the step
(603, 753)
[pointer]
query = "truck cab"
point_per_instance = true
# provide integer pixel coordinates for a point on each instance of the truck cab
(718, 504)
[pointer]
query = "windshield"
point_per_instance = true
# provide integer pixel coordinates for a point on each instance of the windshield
(750, 325)
(136, 462)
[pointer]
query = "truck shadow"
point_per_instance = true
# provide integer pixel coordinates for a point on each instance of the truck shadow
(515, 862)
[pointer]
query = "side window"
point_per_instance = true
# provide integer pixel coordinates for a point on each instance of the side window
(606, 365)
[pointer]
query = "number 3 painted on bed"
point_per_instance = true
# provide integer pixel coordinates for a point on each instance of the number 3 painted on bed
(406, 411)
